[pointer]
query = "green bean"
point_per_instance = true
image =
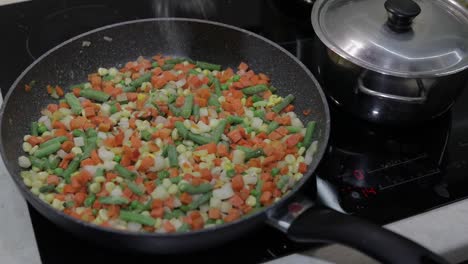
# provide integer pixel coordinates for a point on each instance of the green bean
(117, 158)
(175, 60)
(154, 64)
(258, 189)
(309, 133)
(176, 180)
(287, 100)
(208, 66)
(129, 89)
(113, 109)
(89, 201)
(236, 78)
(202, 188)
(193, 72)
(68, 204)
(224, 86)
(108, 78)
(181, 129)
(58, 171)
(196, 112)
(255, 89)
(186, 110)
(146, 135)
(137, 218)
(184, 208)
(89, 146)
(293, 129)
(275, 171)
(273, 89)
(124, 172)
(52, 141)
(231, 173)
(135, 188)
(163, 174)
(53, 164)
(272, 126)
(282, 181)
(80, 85)
(47, 188)
(34, 127)
(167, 67)
(235, 119)
(41, 128)
(259, 113)
(176, 111)
(114, 200)
(254, 154)
(219, 130)
(99, 172)
(177, 213)
(72, 167)
(74, 103)
(200, 201)
(91, 132)
(199, 139)
(47, 150)
(172, 155)
(184, 228)
(94, 95)
(213, 100)
(78, 133)
(164, 152)
(171, 98)
(256, 98)
(145, 77)
(217, 86)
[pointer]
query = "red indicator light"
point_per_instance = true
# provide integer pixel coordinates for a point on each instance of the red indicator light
(358, 174)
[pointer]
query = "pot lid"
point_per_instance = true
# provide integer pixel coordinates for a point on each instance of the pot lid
(406, 38)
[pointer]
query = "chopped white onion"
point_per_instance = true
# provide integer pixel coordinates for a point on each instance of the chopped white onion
(310, 153)
(78, 141)
(132, 226)
(109, 165)
(256, 122)
(46, 121)
(117, 191)
(160, 120)
(105, 155)
(238, 156)
(180, 83)
(91, 169)
(61, 153)
(224, 192)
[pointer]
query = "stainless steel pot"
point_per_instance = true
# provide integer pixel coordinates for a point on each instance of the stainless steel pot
(394, 61)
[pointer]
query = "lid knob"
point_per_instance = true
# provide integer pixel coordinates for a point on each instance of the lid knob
(401, 14)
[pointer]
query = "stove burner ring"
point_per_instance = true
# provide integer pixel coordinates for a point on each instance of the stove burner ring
(67, 23)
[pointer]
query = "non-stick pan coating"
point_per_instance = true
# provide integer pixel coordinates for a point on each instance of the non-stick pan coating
(70, 62)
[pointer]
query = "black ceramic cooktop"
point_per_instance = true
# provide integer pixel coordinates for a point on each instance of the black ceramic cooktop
(379, 173)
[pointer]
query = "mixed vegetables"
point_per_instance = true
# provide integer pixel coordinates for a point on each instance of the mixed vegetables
(166, 145)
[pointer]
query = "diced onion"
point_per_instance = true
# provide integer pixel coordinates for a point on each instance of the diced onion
(223, 193)
(78, 141)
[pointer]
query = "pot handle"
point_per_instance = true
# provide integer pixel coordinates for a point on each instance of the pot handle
(312, 224)
(406, 99)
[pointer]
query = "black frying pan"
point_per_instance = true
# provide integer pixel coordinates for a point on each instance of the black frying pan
(70, 62)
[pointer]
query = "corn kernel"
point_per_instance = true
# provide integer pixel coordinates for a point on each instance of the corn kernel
(99, 179)
(173, 189)
(57, 204)
(109, 186)
(103, 214)
(95, 187)
(26, 147)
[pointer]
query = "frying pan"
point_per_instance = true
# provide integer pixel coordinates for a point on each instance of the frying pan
(71, 61)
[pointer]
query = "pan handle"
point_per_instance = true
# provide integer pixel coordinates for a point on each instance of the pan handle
(315, 224)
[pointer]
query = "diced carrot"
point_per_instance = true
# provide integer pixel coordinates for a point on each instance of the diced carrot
(149, 186)
(236, 201)
(185, 198)
(68, 188)
(146, 163)
(27, 88)
(243, 66)
(265, 198)
(307, 111)
(233, 215)
(289, 108)
(169, 227)
(60, 196)
(50, 89)
(95, 157)
(79, 198)
(268, 186)
(282, 130)
(89, 111)
(34, 140)
(222, 150)
(87, 162)
(266, 177)
(214, 213)
(110, 176)
(292, 140)
(77, 123)
(113, 211)
(274, 135)
(76, 91)
(237, 183)
(60, 132)
(135, 141)
(59, 91)
(302, 167)
(235, 135)
(157, 212)
(270, 116)
(132, 96)
(53, 179)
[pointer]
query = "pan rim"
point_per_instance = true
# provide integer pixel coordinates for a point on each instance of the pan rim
(317, 157)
